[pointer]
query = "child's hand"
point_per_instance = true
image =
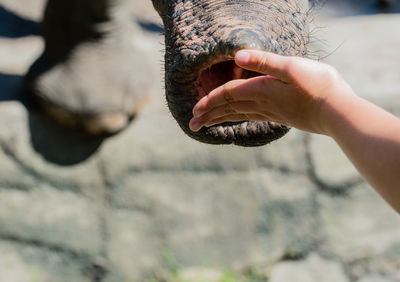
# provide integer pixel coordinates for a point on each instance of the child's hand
(292, 92)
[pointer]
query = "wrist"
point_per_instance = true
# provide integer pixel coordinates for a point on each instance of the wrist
(335, 108)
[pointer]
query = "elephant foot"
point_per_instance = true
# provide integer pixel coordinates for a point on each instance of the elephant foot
(90, 76)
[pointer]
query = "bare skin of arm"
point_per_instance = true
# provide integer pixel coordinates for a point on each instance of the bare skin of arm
(313, 97)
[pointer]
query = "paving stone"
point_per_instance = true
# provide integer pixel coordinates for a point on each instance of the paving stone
(360, 225)
(134, 247)
(51, 217)
(20, 263)
(200, 275)
(13, 176)
(223, 219)
(388, 265)
(288, 153)
(330, 164)
(375, 278)
(26, 134)
(385, 267)
(13, 113)
(313, 269)
(169, 149)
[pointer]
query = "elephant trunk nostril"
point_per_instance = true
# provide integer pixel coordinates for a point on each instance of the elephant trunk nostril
(244, 39)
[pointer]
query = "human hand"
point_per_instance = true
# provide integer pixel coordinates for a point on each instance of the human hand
(292, 92)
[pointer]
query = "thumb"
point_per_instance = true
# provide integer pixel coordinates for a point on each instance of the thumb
(265, 63)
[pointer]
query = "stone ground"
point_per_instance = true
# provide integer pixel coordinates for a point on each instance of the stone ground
(151, 204)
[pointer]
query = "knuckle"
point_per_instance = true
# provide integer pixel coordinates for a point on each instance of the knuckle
(205, 102)
(214, 121)
(265, 84)
(291, 67)
(227, 92)
(261, 62)
(331, 74)
(230, 85)
(334, 73)
(229, 109)
(243, 117)
(205, 118)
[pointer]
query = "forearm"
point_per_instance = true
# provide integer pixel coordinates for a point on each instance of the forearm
(370, 137)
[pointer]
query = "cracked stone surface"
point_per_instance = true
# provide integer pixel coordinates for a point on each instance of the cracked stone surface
(361, 225)
(54, 217)
(201, 274)
(150, 202)
(375, 278)
(189, 209)
(26, 262)
(313, 269)
(332, 167)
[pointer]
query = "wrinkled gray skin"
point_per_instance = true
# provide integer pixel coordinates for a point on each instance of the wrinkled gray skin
(201, 38)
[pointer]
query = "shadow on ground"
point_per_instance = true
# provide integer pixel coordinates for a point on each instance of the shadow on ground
(13, 26)
(151, 26)
(57, 144)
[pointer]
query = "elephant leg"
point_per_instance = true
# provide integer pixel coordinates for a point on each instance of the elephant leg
(87, 75)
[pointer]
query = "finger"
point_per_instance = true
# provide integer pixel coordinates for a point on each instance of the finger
(266, 63)
(255, 89)
(236, 118)
(242, 107)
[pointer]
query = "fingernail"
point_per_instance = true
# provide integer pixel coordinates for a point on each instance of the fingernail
(243, 57)
(194, 125)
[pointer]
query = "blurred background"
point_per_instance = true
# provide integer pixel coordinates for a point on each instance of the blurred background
(150, 204)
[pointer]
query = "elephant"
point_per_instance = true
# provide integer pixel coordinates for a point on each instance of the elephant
(85, 76)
